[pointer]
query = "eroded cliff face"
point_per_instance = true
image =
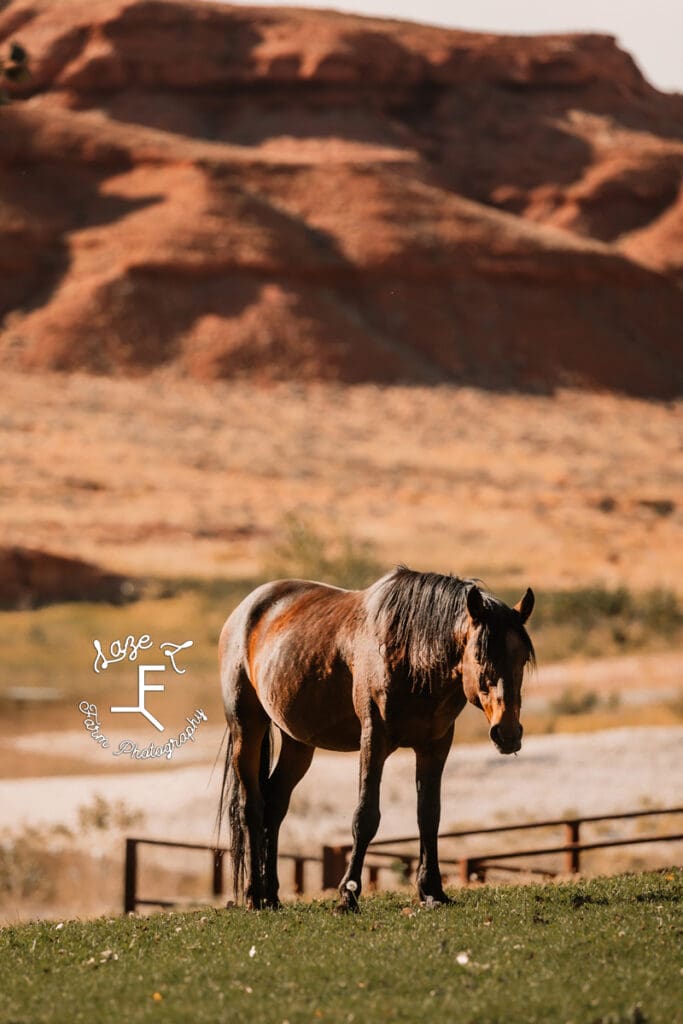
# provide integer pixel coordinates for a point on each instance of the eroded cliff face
(278, 193)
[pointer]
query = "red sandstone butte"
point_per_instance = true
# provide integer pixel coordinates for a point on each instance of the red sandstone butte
(278, 193)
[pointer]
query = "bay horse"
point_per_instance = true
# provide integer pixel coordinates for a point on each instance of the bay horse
(370, 670)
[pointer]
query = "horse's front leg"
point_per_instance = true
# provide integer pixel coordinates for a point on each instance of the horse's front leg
(429, 763)
(374, 750)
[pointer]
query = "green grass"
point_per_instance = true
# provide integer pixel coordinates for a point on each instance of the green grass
(53, 647)
(601, 951)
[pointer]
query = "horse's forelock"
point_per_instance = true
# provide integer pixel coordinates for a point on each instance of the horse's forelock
(498, 622)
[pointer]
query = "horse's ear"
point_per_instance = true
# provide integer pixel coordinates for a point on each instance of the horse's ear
(525, 605)
(475, 605)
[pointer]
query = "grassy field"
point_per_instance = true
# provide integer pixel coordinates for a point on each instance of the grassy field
(605, 952)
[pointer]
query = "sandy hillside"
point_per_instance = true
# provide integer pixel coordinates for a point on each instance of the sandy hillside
(176, 478)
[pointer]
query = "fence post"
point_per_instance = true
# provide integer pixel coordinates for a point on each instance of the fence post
(299, 863)
(466, 868)
(373, 872)
(217, 882)
(334, 866)
(572, 854)
(130, 876)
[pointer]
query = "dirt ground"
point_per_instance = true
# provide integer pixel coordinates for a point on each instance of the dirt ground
(169, 477)
(613, 770)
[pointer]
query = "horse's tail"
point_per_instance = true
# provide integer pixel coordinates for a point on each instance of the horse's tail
(230, 800)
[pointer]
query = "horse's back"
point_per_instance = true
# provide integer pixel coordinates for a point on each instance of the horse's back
(289, 644)
(237, 627)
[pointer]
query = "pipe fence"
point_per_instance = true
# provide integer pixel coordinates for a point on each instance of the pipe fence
(389, 852)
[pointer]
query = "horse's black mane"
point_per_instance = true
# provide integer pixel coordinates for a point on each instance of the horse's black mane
(422, 618)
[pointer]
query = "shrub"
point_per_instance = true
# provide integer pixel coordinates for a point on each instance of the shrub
(302, 552)
(24, 865)
(572, 702)
(103, 815)
(661, 611)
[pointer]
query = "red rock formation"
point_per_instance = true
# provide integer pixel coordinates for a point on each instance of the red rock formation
(29, 578)
(287, 193)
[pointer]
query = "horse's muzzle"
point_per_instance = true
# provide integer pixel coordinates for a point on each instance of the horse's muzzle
(506, 741)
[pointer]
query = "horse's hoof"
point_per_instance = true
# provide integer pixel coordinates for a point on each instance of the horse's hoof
(431, 902)
(345, 907)
(348, 904)
(348, 897)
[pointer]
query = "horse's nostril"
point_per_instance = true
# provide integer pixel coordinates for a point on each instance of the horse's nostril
(495, 734)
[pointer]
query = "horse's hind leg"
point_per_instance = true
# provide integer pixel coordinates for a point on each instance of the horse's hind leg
(429, 763)
(293, 763)
(374, 751)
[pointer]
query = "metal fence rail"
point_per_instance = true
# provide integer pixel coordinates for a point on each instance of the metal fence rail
(468, 867)
(132, 900)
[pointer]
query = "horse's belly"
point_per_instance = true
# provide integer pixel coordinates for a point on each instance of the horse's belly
(318, 712)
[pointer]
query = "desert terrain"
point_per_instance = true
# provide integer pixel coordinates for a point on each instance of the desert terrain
(178, 478)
